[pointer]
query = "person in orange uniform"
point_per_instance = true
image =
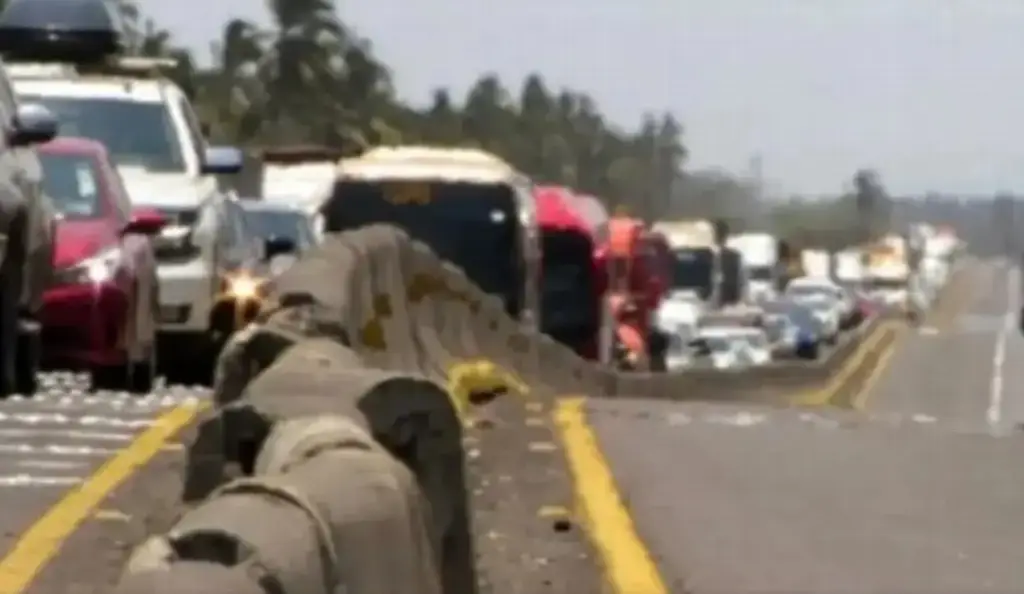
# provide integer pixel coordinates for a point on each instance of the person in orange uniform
(630, 333)
(634, 289)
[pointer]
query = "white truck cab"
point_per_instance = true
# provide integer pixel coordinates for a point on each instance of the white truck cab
(759, 253)
(153, 136)
(300, 177)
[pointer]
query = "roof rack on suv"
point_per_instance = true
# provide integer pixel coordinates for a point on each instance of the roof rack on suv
(70, 37)
(122, 66)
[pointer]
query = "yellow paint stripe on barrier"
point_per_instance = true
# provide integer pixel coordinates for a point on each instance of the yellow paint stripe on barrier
(628, 566)
(44, 539)
(479, 376)
(823, 396)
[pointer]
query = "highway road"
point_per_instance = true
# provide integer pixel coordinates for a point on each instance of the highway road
(51, 449)
(921, 492)
(969, 370)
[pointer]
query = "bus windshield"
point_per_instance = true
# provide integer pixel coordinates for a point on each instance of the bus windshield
(472, 225)
(693, 269)
(569, 297)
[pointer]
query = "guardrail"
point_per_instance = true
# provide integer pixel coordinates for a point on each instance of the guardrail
(342, 409)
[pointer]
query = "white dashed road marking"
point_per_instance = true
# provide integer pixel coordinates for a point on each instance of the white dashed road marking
(994, 413)
(60, 435)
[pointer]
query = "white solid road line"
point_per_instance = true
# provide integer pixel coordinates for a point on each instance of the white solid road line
(994, 414)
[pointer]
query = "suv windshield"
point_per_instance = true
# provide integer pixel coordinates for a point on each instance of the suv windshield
(808, 291)
(71, 183)
(472, 225)
(718, 344)
(280, 223)
(135, 133)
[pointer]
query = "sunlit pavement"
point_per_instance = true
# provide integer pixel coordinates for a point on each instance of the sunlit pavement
(53, 441)
(922, 492)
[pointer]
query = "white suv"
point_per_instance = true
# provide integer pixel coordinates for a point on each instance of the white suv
(155, 139)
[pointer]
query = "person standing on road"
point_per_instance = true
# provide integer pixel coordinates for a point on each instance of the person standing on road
(630, 333)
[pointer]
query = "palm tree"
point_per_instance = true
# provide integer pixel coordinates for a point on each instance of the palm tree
(233, 93)
(301, 71)
(310, 79)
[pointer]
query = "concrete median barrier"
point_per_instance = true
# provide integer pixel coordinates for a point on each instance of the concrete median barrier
(341, 418)
(327, 510)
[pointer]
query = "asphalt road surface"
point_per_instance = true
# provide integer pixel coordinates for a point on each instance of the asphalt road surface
(970, 370)
(52, 442)
(922, 492)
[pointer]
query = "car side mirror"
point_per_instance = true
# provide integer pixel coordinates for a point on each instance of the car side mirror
(222, 160)
(145, 222)
(277, 246)
(33, 124)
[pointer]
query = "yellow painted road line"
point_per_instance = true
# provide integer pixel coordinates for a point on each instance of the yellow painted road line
(44, 539)
(628, 566)
(860, 401)
(824, 395)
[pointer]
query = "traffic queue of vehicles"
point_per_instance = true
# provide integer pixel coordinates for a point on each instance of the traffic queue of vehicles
(802, 310)
(610, 287)
(122, 256)
(132, 261)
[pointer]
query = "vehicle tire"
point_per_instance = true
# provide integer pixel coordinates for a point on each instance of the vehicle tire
(136, 377)
(657, 351)
(27, 360)
(108, 377)
(187, 359)
(143, 374)
(10, 296)
(808, 352)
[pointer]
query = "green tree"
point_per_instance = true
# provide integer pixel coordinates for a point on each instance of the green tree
(310, 79)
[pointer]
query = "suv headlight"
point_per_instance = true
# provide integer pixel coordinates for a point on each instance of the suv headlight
(95, 270)
(174, 242)
(243, 287)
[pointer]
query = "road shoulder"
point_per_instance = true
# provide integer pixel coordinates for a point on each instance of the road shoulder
(90, 560)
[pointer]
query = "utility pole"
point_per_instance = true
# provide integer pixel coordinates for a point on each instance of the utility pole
(646, 211)
(1003, 213)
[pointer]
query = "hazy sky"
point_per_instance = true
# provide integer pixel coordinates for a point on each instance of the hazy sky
(929, 92)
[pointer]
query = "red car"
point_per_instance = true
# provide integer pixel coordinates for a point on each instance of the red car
(100, 313)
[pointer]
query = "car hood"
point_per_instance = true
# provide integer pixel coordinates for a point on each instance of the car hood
(77, 240)
(678, 311)
(165, 190)
(721, 360)
(762, 288)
